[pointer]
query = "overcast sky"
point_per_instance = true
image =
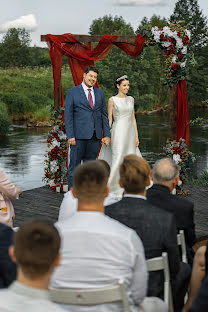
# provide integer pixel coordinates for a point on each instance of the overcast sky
(75, 16)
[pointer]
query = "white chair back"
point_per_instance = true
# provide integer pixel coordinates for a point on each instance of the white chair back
(92, 296)
(158, 264)
(181, 242)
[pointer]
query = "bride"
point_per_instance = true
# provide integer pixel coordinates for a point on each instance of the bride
(124, 134)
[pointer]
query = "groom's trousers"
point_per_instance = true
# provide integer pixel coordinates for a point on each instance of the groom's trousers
(84, 150)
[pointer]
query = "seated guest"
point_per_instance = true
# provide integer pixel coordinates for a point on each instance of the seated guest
(7, 266)
(199, 271)
(8, 191)
(155, 227)
(98, 251)
(69, 203)
(36, 251)
(200, 303)
(165, 176)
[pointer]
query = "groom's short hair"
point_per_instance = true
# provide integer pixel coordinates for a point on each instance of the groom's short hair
(90, 181)
(91, 68)
(134, 173)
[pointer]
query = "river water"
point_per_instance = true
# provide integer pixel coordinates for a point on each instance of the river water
(22, 151)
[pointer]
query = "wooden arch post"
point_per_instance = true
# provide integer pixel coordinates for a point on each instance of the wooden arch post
(125, 39)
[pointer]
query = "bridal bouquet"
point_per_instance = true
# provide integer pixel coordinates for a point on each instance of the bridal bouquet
(178, 151)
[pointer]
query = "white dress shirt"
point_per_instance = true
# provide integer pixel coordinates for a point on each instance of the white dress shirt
(69, 205)
(86, 92)
(21, 298)
(97, 251)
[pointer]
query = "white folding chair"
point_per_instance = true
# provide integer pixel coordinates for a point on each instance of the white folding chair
(161, 263)
(15, 229)
(181, 242)
(91, 296)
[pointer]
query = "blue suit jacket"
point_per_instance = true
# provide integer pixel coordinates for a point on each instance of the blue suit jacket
(80, 119)
(7, 267)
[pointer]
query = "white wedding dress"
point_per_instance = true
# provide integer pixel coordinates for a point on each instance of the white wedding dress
(123, 140)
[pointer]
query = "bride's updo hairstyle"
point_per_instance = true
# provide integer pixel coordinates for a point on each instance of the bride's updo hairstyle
(119, 80)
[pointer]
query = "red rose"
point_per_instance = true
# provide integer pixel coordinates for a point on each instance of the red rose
(180, 56)
(175, 66)
(161, 36)
(185, 42)
(178, 33)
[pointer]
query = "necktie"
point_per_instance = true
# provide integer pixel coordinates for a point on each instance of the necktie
(90, 98)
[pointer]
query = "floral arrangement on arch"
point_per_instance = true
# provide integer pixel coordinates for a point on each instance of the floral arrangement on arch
(56, 162)
(173, 40)
(178, 151)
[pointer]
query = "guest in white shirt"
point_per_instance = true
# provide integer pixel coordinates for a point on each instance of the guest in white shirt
(36, 251)
(97, 251)
(69, 203)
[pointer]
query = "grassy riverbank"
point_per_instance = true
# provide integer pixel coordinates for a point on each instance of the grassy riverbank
(27, 92)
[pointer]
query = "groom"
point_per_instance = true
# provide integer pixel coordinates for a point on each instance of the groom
(86, 120)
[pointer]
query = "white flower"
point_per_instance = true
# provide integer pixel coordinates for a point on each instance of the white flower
(55, 129)
(62, 135)
(179, 43)
(188, 33)
(55, 143)
(184, 50)
(166, 44)
(174, 59)
(176, 158)
(53, 166)
(179, 182)
(182, 65)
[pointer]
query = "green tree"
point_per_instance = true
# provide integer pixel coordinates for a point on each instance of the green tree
(143, 72)
(189, 13)
(14, 49)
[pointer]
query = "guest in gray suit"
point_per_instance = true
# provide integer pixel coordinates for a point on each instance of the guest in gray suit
(155, 227)
(36, 251)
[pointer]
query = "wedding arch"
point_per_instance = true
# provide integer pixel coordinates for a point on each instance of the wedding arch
(172, 39)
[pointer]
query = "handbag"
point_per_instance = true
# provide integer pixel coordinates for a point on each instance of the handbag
(6, 208)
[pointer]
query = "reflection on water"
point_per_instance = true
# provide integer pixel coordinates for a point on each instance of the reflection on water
(22, 156)
(22, 151)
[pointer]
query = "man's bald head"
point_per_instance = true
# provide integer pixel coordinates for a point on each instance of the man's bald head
(165, 171)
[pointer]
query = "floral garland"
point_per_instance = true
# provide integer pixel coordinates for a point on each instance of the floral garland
(173, 40)
(179, 152)
(56, 169)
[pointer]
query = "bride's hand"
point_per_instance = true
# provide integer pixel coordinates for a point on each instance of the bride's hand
(137, 142)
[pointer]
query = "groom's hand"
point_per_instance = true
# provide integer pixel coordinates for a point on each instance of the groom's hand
(106, 141)
(72, 141)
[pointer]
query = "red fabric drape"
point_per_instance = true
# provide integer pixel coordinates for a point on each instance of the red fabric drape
(80, 54)
(182, 121)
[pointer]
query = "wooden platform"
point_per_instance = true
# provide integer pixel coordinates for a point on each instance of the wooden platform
(37, 203)
(44, 203)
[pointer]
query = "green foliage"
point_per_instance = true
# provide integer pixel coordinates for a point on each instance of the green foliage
(108, 25)
(155, 20)
(4, 119)
(144, 72)
(42, 114)
(189, 13)
(25, 91)
(14, 49)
